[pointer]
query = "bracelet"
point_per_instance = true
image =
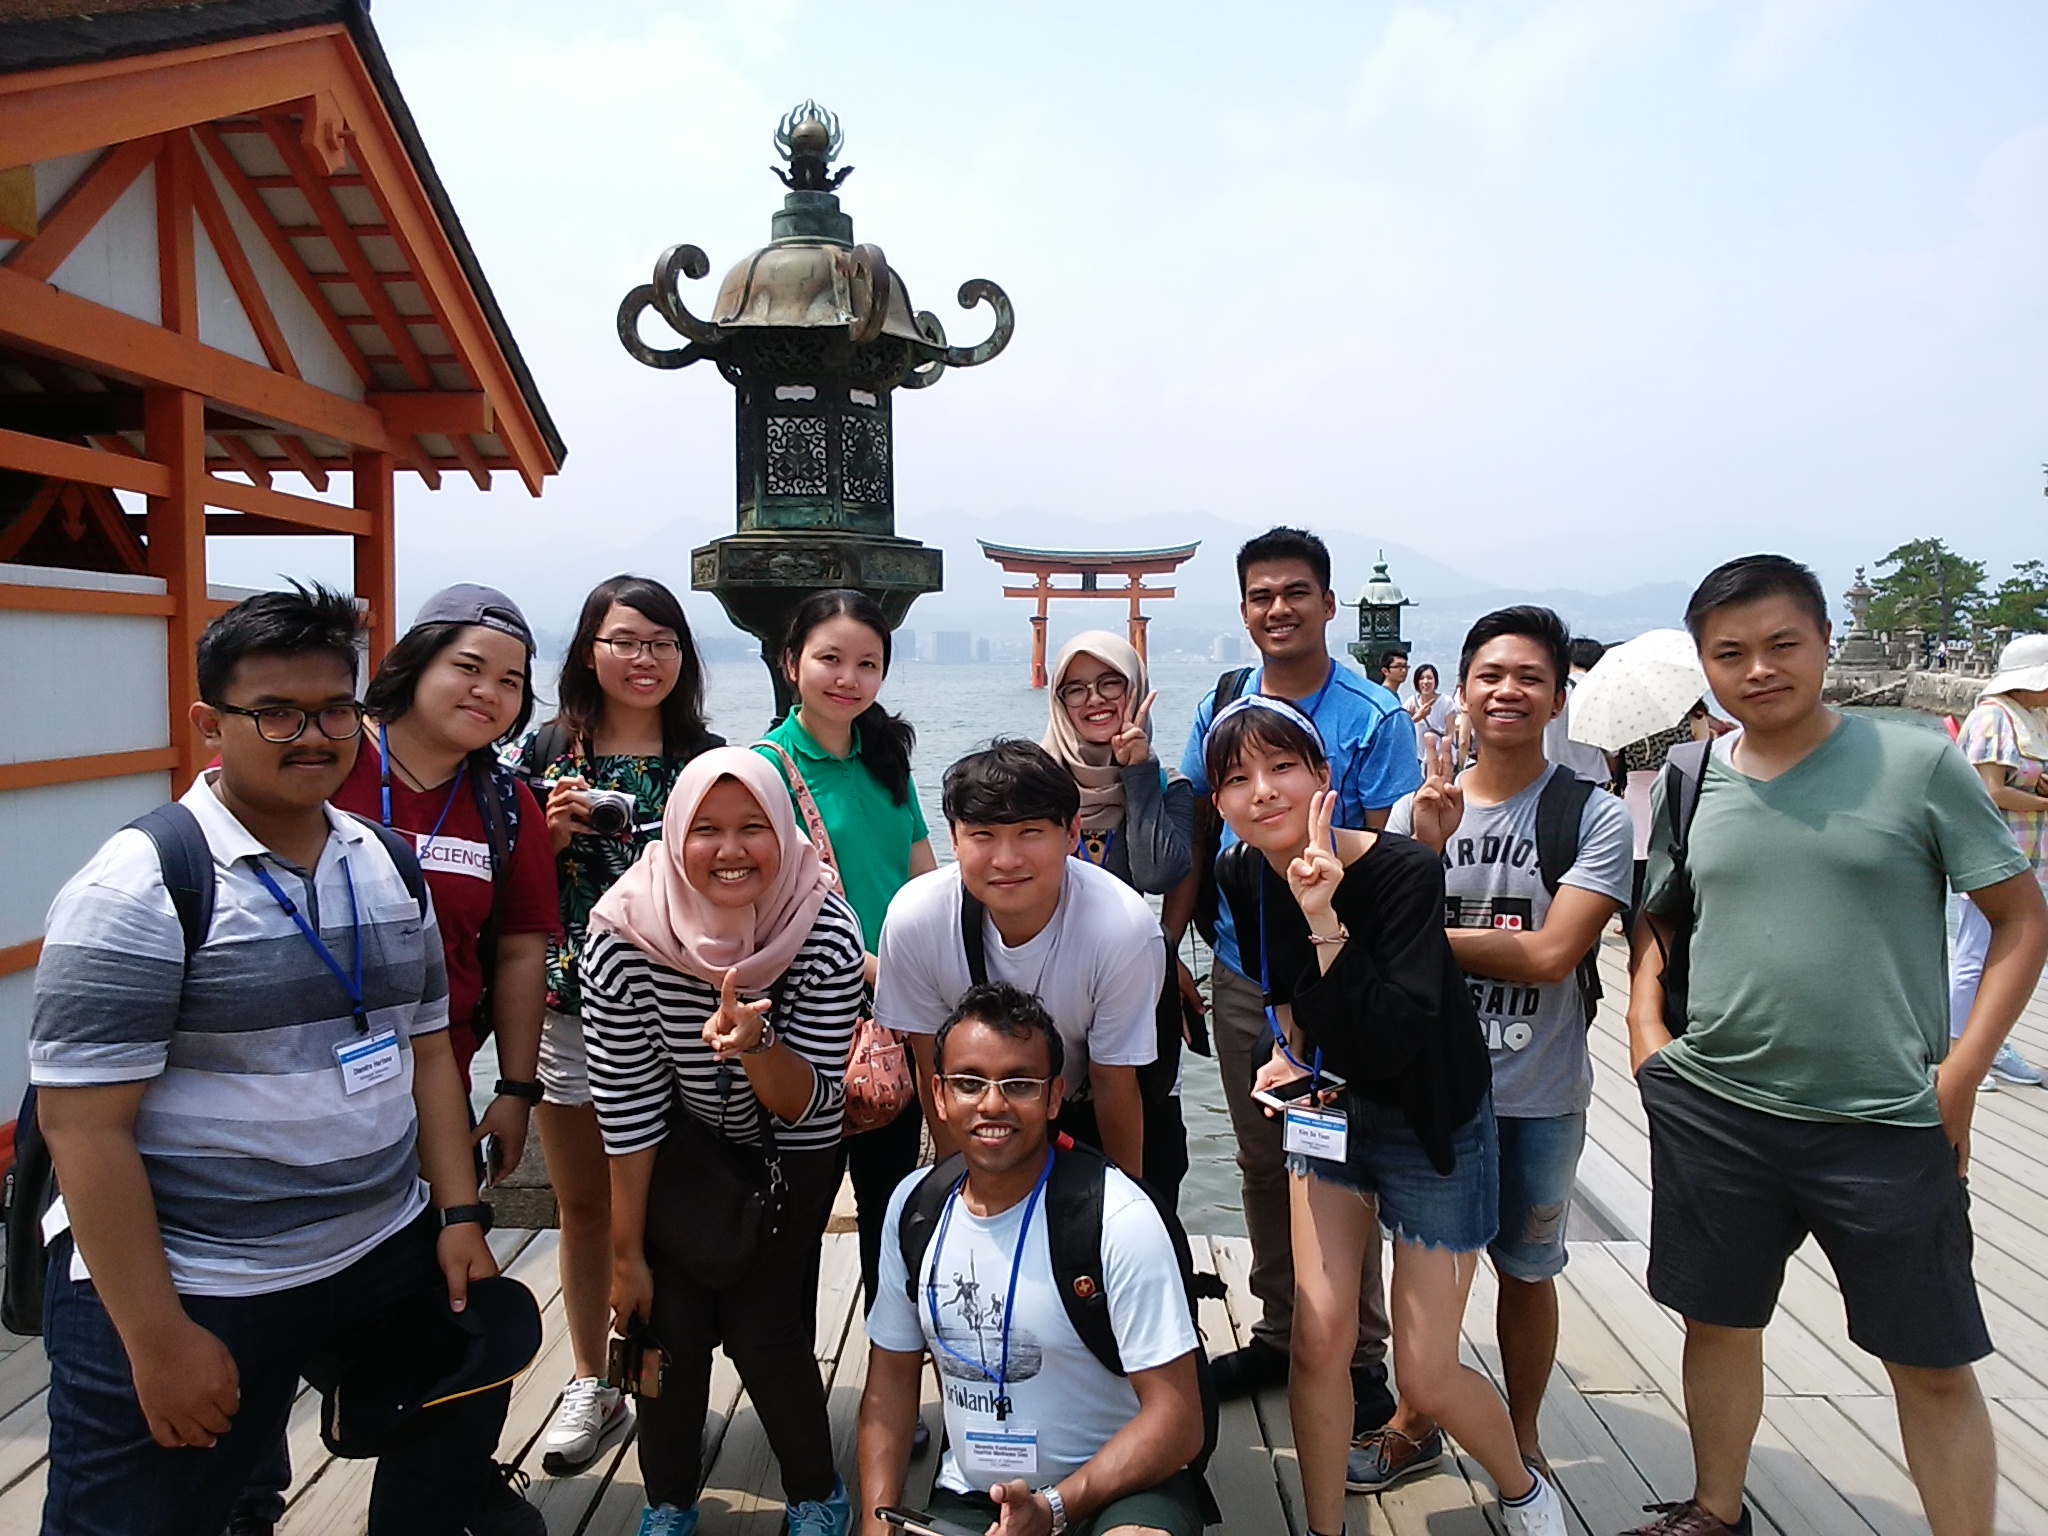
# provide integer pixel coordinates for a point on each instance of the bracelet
(459, 1215)
(1338, 937)
(767, 1041)
(513, 1088)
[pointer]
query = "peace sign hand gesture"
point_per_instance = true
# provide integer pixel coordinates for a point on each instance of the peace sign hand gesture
(1129, 746)
(1440, 803)
(1316, 872)
(737, 1025)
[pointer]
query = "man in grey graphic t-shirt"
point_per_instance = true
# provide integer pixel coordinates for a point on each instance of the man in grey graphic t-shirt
(1519, 944)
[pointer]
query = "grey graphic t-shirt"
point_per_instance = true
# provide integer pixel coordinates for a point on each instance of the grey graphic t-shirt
(1536, 1035)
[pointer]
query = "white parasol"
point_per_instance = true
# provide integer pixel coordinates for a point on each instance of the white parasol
(1637, 689)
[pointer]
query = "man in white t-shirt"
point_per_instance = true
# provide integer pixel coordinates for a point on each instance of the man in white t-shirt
(1587, 761)
(1072, 935)
(1043, 1438)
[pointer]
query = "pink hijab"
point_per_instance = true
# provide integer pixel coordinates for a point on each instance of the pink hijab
(656, 910)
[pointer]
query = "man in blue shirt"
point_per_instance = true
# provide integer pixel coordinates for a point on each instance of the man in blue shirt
(1284, 578)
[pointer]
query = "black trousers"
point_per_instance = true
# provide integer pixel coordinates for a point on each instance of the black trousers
(877, 1161)
(767, 1323)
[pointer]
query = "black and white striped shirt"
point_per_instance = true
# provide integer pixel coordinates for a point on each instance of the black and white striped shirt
(643, 1030)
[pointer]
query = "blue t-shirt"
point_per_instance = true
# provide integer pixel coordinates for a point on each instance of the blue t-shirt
(1373, 759)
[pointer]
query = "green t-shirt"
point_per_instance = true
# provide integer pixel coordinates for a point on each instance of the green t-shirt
(871, 834)
(1819, 981)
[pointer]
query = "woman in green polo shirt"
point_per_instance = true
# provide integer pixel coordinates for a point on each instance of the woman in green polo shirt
(855, 758)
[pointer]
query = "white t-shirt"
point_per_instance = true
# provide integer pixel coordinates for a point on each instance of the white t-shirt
(1056, 1386)
(1587, 761)
(1097, 966)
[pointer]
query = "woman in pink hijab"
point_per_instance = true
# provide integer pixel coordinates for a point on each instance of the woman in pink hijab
(721, 984)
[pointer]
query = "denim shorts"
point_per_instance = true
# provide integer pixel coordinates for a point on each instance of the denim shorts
(1539, 1163)
(1459, 1210)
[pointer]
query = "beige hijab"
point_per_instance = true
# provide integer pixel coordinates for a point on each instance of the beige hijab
(1094, 767)
(654, 907)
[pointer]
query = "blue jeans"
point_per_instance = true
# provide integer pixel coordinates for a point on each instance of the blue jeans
(1539, 1164)
(1459, 1210)
(107, 1477)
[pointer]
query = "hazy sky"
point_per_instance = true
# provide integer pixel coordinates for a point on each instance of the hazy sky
(1584, 293)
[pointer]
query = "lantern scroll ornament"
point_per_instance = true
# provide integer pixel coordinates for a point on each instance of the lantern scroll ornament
(815, 334)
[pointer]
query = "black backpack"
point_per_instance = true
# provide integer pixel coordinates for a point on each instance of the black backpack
(1684, 768)
(1073, 1231)
(1559, 810)
(1229, 687)
(30, 1188)
(497, 801)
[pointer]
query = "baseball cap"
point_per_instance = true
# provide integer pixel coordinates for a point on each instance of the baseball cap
(469, 603)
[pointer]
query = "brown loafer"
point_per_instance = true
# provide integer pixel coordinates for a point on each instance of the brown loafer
(1684, 1517)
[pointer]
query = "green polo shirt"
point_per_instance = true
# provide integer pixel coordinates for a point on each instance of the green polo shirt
(871, 834)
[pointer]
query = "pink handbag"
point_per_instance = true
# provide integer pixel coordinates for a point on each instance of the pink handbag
(880, 1082)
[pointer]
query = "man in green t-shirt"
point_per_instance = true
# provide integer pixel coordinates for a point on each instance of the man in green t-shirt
(1814, 1088)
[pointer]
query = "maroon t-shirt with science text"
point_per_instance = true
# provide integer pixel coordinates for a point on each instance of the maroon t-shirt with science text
(457, 864)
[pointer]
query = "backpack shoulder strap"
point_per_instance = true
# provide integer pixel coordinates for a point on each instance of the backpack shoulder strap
(973, 936)
(1559, 810)
(1073, 1235)
(399, 846)
(1229, 687)
(1684, 769)
(550, 742)
(814, 819)
(187, 864)
(921, 1217)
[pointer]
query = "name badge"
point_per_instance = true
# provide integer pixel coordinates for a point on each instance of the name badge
(367, 1062)
(1323, 1133)
(992, 1452)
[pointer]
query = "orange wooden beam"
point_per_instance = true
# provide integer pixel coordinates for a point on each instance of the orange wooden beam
(65, 461)
(80, 770)
(434, 411)
(367, 279)
(227, 245)
(177, 169)
(472, 461)
(302, 460)
(414, 453)
(27, 599)
(82, 207)
(174, 427)
(303, 511)
(53, 112)
(93, 336)
(15, 536)
(244, 187)
(16, 958)
(376, 550)
(1119, 593)
(243, 457)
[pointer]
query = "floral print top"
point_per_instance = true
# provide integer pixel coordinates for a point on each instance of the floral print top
(1989, 737)
(587, 868)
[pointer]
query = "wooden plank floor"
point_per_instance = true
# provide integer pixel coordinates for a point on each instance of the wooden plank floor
(1828, 1460)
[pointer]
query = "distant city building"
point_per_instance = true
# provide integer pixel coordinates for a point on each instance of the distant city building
(1227, 650)
(981, 651)
(953, 647)
(903, 647)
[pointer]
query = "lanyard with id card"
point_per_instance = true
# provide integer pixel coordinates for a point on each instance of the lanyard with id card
(1307, 1129)
(992, 1447)
(368, 1059)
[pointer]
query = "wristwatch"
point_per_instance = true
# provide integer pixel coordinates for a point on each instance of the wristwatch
(512, 1088)
(459, 1215)
(1051, 1495)
(766, 1043)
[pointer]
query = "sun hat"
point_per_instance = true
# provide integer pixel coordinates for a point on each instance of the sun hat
(419, 1356)
(2022, 665)
(467, 602)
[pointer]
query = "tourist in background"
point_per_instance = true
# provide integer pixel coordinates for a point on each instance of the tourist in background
(1358, 978)
(1283, 577)
(630, 714)
(722, 978)
(1639, 764)
(1526, 901)
(1394, 671)
(1812, 1087)
(1429, 709)
(1137, 822)
(2006, 738)
(1584, 759)
(853, 759)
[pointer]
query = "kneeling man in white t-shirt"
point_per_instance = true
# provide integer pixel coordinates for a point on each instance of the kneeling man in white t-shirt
(1043, 1437)
(1065, 931)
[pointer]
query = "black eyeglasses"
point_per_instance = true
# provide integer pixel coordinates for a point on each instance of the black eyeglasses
(968, 1087)
(1109, 687)
(626, 648)
(279, 725)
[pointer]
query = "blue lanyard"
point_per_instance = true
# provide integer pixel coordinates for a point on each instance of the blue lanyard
(1265, 983)
(931, 1286)
(354, 988)
(384, 784)
(1108, 842)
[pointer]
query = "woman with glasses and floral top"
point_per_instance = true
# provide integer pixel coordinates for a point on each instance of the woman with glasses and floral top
(630, 716)
(1137, 822)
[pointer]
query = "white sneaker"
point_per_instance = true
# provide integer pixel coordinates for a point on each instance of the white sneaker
(591, 1416)
(1541, 1514)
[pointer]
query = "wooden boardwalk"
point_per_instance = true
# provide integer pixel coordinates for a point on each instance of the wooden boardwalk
(1827, 1460)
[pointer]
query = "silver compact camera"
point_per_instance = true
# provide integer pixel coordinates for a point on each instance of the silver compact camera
(611, 811)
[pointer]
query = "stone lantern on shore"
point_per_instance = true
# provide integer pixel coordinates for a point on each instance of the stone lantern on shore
(815, 334)
(1379, 620)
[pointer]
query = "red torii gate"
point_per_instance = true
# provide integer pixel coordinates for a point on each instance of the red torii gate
(1134, 565)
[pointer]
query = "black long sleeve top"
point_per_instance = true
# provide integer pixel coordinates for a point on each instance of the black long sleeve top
(1392, 1015)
